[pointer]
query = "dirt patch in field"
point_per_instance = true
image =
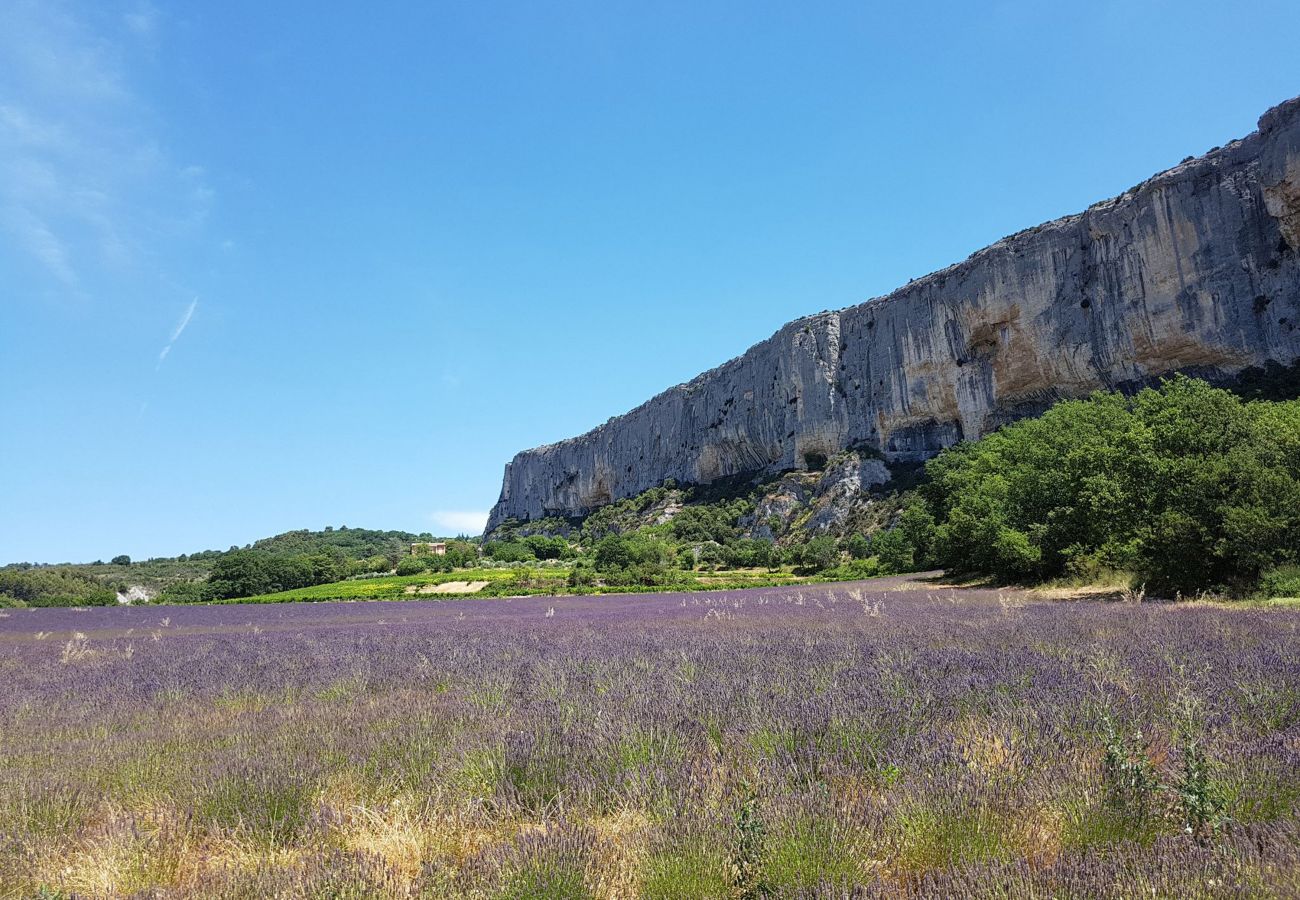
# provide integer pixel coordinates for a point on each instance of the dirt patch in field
(448, 587)
(1082, 592)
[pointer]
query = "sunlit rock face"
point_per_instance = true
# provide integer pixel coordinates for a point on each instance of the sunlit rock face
(1195, 270)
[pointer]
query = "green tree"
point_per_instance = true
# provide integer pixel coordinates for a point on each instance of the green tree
(636, 558)
(509, 551)
(239, 573)
(819, 554)
(894, 551)
(1185, 484)
(412, 565)
(857, 546)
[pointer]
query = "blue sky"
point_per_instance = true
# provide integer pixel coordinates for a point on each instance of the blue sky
(273, 266)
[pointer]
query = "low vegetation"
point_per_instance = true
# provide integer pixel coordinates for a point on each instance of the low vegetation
(53, 587)
(876, 740)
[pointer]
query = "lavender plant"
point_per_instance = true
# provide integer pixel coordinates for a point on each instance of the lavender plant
(955, 744)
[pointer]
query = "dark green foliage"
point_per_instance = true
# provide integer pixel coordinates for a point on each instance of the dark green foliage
(1283, 581)
(245, 573)
(1272, 382)
(748, 553)
(748, 854)
(353, 543)
(54, 587)
(527, 549)
(894, 551)
(583, 574)
(544, 547)
(705, 523)
(857, 546)
(412, 565)
(459, 555)
(1200, 798)
(1129, 778)
(185, 592)
(856, 569)
(905, 547)
(509, 551)
(817, 555)
(635, 559)
(1186, 484)
(916, 523)
(296, 558)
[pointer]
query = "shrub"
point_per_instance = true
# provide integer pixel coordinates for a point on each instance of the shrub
(817, 555)
(634, 559)
(1129, 778)
(748, 553)
(748, 852)
(412, 565)
(857, 546)
(54, 587)
(509, 551)
(185, 592)
(893, 550)
(1283, 581)
(1201, 800)
(583, 575)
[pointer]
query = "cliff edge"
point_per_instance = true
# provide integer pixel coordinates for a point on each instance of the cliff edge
(1196, 270)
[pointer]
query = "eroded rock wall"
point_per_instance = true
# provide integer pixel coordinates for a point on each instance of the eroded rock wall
(1196, 269)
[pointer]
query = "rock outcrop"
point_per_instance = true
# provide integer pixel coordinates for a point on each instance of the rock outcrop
(1195, 270)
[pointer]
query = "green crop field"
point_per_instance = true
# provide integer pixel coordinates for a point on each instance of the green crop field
(528, 580)
(397, 586)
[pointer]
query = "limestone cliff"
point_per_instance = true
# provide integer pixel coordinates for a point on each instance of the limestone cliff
(1197, 270)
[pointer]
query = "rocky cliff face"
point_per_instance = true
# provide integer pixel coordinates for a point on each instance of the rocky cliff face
(1196, 269)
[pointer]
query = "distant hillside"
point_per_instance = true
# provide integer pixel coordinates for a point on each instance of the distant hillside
(332, 551)
(353, 543)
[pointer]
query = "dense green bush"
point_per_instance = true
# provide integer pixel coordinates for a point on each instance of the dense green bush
(817, 555)
(509, 551)
(1283, 581)
(544, 547)
(1186, 485)
(185, 592)
(412, 565)
(54, 587)
(696, 524)
(245, 573)
(748, 553)
(639, 558)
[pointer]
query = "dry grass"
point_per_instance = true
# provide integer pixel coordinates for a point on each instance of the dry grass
(624, 837)
(986, 748)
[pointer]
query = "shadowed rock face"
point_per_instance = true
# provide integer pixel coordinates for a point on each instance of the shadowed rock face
(1195, 270)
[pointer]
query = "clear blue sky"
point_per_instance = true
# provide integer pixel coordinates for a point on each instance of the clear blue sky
(279, 265)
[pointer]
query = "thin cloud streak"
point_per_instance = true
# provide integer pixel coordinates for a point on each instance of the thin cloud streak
(178, 330)
(185, 319)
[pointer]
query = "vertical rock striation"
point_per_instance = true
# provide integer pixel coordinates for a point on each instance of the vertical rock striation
(1195, 270)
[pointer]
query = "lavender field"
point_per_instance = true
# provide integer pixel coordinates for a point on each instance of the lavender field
(885, 739)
